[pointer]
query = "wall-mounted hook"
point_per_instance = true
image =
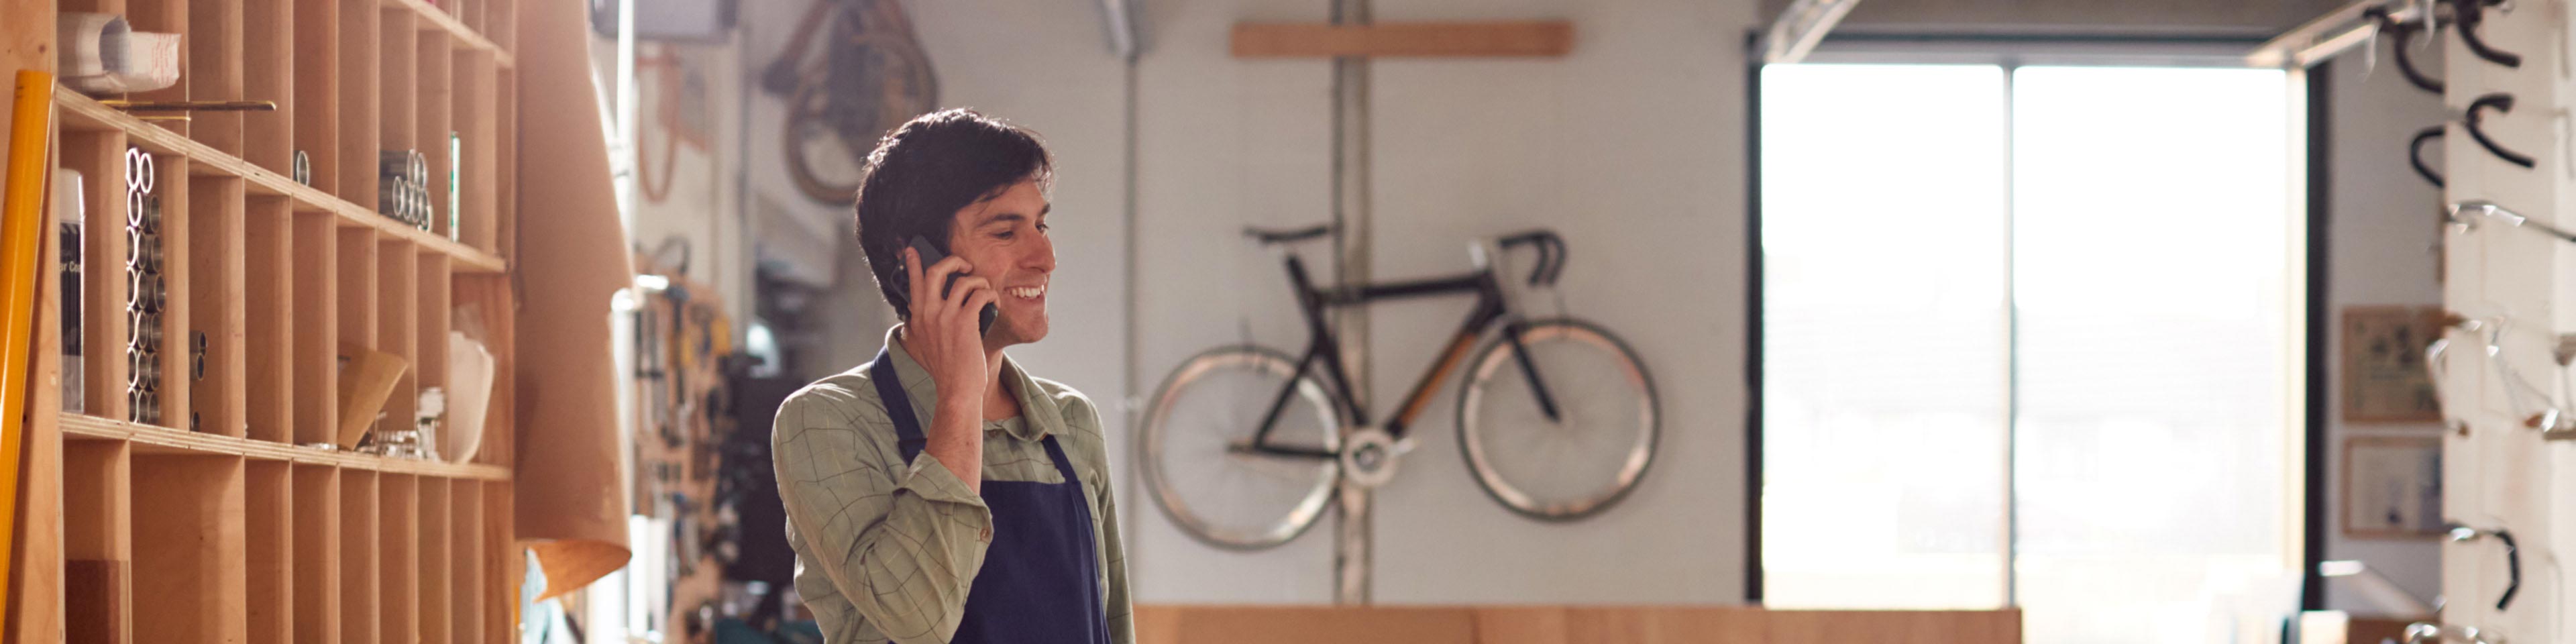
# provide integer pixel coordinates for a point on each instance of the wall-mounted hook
(2465, 14)
(2401, 33)
(2512, 557)
(2501, 102)
(2415, 155)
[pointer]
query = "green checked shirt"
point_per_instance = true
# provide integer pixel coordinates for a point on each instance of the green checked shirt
(887, 550)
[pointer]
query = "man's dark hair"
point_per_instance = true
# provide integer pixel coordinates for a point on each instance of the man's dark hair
(922, 173)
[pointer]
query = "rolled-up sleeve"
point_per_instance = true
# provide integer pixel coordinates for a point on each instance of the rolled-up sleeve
(901, 541)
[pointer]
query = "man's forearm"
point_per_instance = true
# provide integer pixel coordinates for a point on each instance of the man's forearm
(956, 440)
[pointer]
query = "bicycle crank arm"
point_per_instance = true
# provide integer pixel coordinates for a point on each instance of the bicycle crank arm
(1287, 452)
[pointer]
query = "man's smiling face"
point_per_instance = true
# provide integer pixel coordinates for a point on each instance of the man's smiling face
(1005, 238)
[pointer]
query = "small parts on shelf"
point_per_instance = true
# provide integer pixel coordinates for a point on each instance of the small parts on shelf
(102, 54)
(420, 442)
(402, 191)
(2436, 633)
(146, 293)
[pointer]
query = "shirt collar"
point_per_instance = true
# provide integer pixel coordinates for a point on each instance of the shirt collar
(1038, 414)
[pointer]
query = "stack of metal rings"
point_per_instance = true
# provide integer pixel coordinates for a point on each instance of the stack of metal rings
(402, 187)
(146, 293)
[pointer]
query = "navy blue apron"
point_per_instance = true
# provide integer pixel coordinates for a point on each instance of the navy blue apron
(1041, 576)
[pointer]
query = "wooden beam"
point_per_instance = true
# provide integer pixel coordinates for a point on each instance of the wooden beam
(1536, 38)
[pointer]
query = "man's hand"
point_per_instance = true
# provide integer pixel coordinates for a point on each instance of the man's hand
(946, 336)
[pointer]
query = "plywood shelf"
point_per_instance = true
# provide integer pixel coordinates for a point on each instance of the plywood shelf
(84, 114)
(436, 19)
(148, 439)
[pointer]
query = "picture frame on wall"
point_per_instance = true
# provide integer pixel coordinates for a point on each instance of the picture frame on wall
(2392, 487)
(2385, 379)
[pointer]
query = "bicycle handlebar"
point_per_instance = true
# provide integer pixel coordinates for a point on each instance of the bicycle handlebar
(1551, 253)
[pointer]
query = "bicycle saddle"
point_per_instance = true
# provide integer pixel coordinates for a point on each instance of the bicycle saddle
(1288, 235)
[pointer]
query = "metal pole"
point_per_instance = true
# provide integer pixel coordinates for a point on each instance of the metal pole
(1352, 543)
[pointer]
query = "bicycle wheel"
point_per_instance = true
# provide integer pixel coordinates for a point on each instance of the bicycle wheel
(1220, 495)
(1574, 467)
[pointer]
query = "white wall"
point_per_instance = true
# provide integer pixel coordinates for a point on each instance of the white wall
(2381, 242)
(1632, 148)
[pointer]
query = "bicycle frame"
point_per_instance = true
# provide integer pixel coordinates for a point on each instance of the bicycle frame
(1323, 346)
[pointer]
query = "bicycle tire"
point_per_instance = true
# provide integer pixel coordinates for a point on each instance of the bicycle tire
(1496, 359)
(1156, 428)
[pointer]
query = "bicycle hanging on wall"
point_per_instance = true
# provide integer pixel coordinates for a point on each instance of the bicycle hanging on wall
(1243, 446)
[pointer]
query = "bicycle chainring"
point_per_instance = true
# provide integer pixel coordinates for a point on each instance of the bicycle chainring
(1370, 457)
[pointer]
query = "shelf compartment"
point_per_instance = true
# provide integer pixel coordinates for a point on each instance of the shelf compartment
(434, 574)
(100, 158)
(361, 54)
(316, 322)
(359, 617)
(217, 300)
(214, 67)
(436, 20)
(98, 546)
(189, 520)
(268, 74)
(82, 114)
(398, 547)
(465, 531)
(269, 540)
(396, 296)
(317, 554)
(317, 90)
(269, 333)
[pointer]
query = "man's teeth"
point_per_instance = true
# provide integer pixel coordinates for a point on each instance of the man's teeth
(1026, 292)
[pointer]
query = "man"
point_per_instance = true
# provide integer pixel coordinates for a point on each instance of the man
(940, 493)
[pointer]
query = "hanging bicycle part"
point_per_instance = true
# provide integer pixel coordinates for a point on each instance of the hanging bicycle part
(2550, 418)
(871, 75)
(2473, 118)
(2461, 212)
(2466, 14)
(2403, 33)
(2415, 155)
(2461, 533)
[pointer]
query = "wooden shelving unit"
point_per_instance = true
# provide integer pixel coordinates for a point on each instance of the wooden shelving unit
(236, 531)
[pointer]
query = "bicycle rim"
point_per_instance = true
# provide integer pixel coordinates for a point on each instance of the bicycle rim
(1559, 471)
(1232, 500)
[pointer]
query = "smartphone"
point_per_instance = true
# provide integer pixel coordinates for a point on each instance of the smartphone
(931, 255)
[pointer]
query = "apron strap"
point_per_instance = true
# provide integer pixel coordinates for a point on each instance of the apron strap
(898, 407)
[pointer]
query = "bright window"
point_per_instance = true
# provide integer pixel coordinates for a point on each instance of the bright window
(2031, 336)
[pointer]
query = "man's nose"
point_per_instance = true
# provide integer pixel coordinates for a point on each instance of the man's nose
(1041, 257)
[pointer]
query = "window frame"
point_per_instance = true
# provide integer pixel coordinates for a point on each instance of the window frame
(2011, 53)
